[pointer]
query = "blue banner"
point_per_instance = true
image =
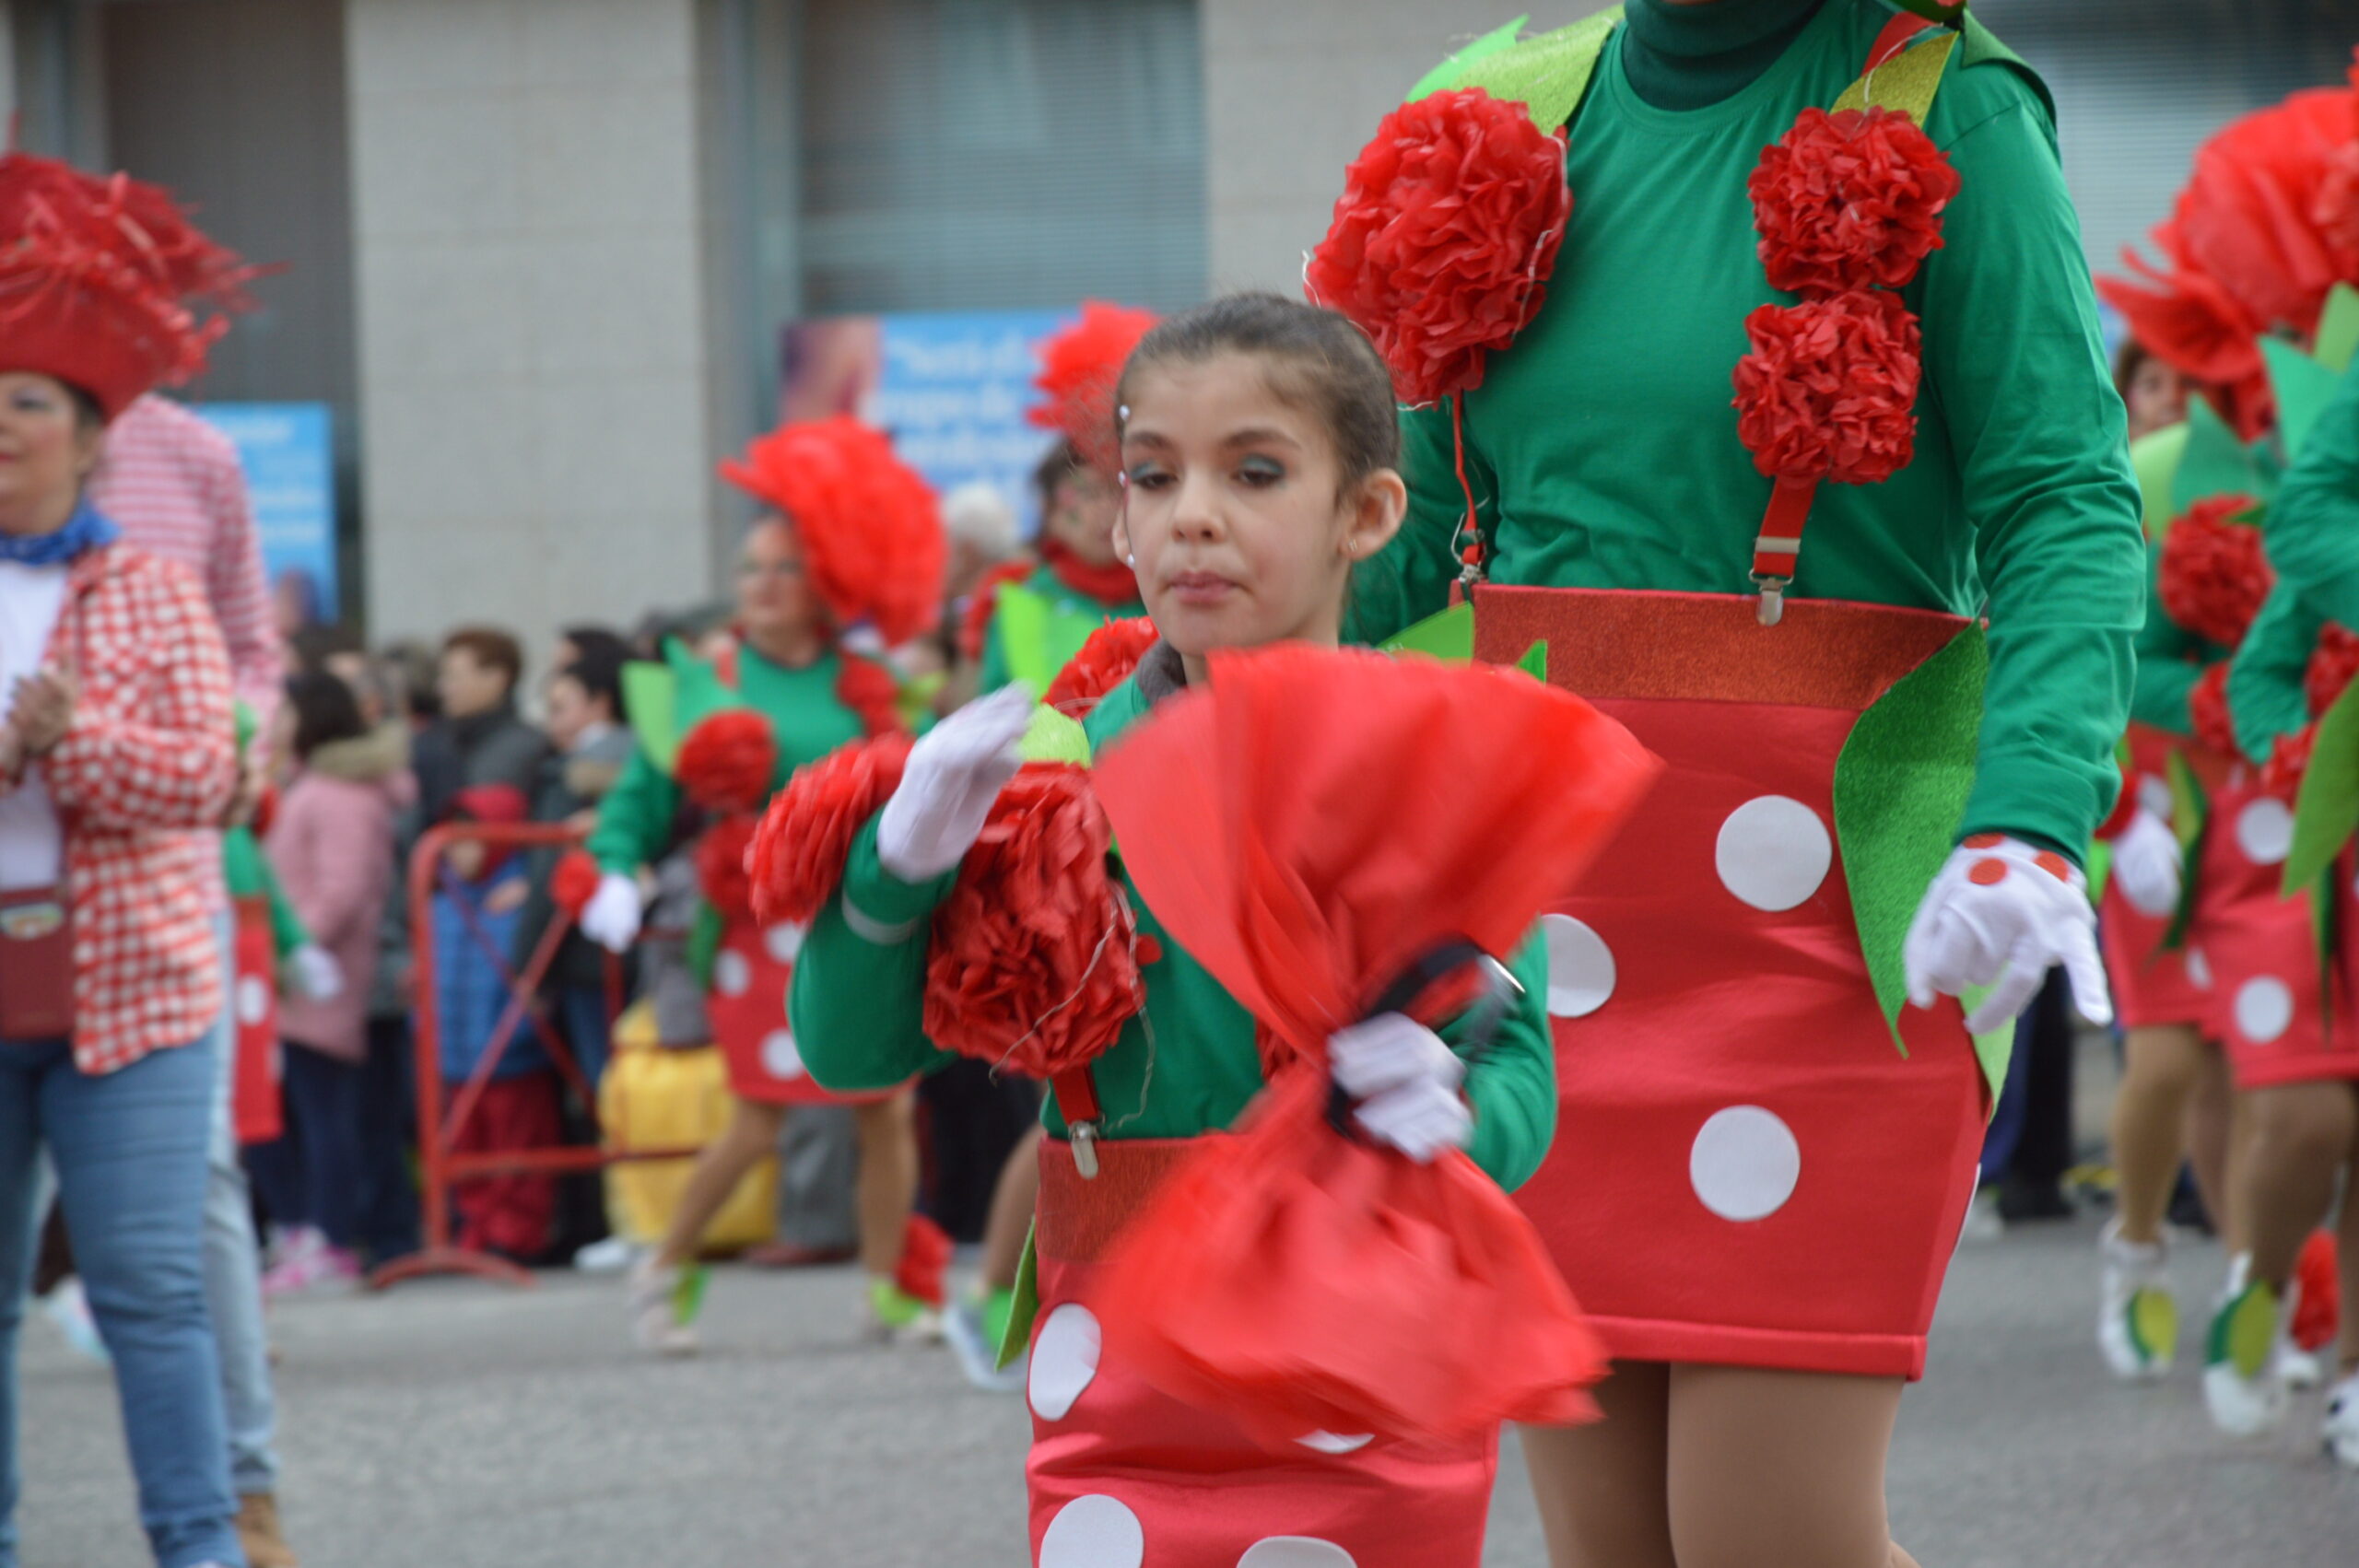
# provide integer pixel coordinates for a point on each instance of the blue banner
(289, 451)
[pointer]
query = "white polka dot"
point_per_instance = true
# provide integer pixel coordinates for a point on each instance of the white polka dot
(1064, 1360)
(1581, 966)
(1295, 1551)
(731, 974)
(1774, 852)
(2264, 1009)
(1744, 1164)
(779, 1056)
(1327, 1443)
(2199, 969)
(784, 941)
(253, 1000)
(2155, 795)
(1093, 1532)
(2265, 830)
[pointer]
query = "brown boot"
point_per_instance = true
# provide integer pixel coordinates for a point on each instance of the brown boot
(258, 1532)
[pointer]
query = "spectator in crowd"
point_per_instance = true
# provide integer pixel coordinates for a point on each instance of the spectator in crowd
(479, 738)
(2155, 392)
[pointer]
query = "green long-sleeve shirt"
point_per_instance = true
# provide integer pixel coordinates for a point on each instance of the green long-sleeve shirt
(2265, 681)
(1187, 1065)
(1602, 447)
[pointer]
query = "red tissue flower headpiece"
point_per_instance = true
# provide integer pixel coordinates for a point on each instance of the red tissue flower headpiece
(871, 528)
(2214, 576)
(720, 866)
(1079, 367)
(1033, 965)
(1103, 662)
(728, 760)
(797, 859)
(2207, 711)
(1447, 228)
(1850, 201)
(2332, 665)
(1829, 390)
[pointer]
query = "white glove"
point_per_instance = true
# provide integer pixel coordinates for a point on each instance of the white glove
(2146, 863)
(1405, 1078)
(954, 775)
(2002, 913)
(611, 918)
(317, 976)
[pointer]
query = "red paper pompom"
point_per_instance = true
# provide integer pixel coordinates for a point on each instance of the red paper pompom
(728, 760)
(2207, 711)
(2214, 576)
(1079, 367)
(1103, 662)
(1033, 966)
(1448, 225)
(797, 859)
(720, 866)
(1850, 201)
(574, 881)
(1829, 390)
(2288, 760)
(2334, 662)
(870, 691)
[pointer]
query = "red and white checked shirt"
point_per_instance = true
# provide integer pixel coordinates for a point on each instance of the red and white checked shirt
(139, 782)
(173, 485)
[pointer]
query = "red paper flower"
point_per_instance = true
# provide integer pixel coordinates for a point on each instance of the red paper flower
(798, 854)
(1850, 201)
(871, 692)
(2332, 665)
(1829, 390)
(2214, 576)
(2207, 710)
(1032, 966)
(728, 760)
(574, 883)
(1448, 225)
(720, 866)
(1103, 662)
(2288, 760)
(1079, 367)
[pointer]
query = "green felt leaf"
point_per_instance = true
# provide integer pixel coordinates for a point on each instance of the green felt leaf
(2155, 459)
(1900, 788)
(2338, 339)
(1446, 635)
(1993, 1048)
(2215, 463)
(1016, 1337)
(1535, 661)
(1548, 74)
(1906, 84)
(2245, 1332)
(1039, 637)
(1054, 737)
(703, 947)
(2302, 387)
(651, 696)
(2326, 812)
(1444, 76)
(2190, 820)
(916, 699)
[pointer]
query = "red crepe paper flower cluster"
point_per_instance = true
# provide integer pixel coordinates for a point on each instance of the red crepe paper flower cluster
(574, 881)
(2288, 760)
(798, 854)
(1850, 201)
(2214, 577)
(872, 693)
(1829, 390)
(1080, 366)
(2334, 662)
(2207, 711)
(1447, 230)
(1033, 965)
(728, 760)
(1103, 662)
(720, 866)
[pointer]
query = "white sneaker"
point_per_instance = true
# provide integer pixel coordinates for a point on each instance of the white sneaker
(664, 1303)
(611, 1256)
(2302, 1370)
(977, 1357)
(2340, 1433)
(2137, 1317)
(2244, 1385)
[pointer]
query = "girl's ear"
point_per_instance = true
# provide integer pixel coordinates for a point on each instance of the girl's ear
(1375, 514)
(1122, 533)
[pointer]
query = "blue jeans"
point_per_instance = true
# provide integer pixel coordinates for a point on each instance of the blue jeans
(130, 1152)
(233, 1263)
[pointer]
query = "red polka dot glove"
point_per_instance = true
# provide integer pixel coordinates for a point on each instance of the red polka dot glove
(2001, 914)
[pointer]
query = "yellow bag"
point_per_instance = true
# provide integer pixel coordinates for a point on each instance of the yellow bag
(653, 1098)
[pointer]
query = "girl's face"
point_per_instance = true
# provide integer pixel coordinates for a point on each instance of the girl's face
(1082, 513)
(774, 595)
(1233, 519)
(45, 452)
(2157, 397)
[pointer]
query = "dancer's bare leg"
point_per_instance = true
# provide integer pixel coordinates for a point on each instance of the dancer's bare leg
(1602, 1487)
(1780, 1470)
(887, 1133)
(751, 1135)
(2161, 1067)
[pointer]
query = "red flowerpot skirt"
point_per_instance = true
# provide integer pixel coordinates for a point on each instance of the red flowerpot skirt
(256, 1088)
(2151, 983)
(747, 1007)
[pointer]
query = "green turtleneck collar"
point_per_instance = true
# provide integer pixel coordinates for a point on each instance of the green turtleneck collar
(1691, 56)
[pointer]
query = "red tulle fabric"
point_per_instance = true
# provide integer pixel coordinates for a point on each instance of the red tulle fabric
(1829, 390)
(869, 690)
(574, 881)
(1103, 662)
(798, 854)
(2207, 711)
(984, 604)
(1290, 1276)
(1080, 366)
(870, 528)
(1447, 230)
(2214, 577)
(2318, 1314)
(1850, 201)
(728, 760)
(105, 284)
(1034, 966)
(2332, 665)
(720, 866)
(2289, 759)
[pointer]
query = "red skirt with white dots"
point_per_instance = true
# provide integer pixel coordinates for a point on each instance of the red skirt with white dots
(257, 1084)
(2151, 983)
(1748, 1170)
(1121, 1477)
(747, 1008)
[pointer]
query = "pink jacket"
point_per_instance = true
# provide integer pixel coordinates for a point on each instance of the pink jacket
(332, 847)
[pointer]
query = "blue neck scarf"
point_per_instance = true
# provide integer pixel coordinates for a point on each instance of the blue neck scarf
(85, 530)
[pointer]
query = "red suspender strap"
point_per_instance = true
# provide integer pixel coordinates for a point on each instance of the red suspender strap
(1076, 1091)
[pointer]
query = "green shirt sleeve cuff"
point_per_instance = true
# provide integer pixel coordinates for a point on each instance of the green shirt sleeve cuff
(879, 906)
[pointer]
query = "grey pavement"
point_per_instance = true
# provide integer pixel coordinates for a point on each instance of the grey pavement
(460, 1425)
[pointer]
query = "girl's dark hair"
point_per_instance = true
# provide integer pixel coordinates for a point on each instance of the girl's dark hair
(88, 417)
(325, 712)
(1315, 358)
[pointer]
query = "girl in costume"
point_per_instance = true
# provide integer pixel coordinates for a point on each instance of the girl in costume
(848, 534)
(1259, 443)
(1771, 1107)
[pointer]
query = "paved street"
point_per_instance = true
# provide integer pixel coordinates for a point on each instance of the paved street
(462, 1426)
